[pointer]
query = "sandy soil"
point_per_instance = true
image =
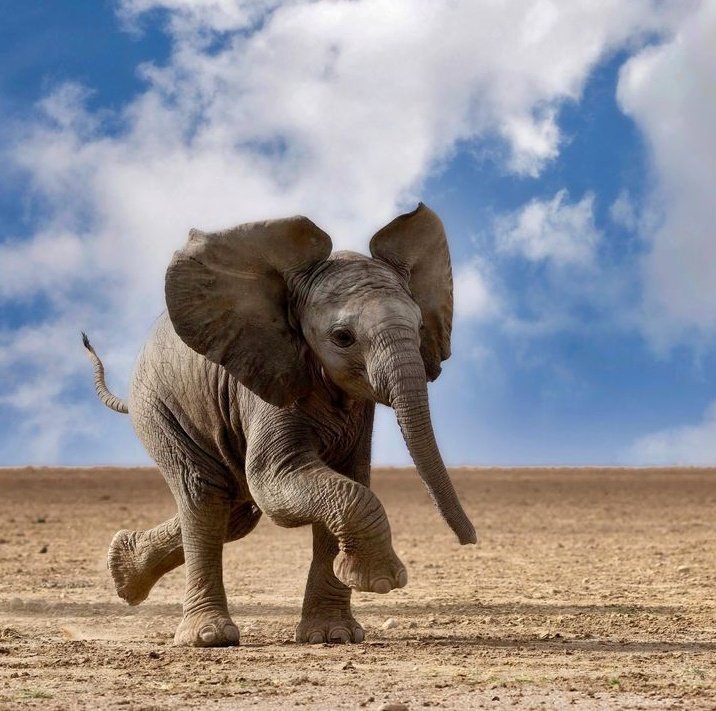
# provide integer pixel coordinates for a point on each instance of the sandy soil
(589, 589)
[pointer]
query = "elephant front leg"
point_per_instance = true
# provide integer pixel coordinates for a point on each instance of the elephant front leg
(206, 621)
(305, 491)
(326, 615)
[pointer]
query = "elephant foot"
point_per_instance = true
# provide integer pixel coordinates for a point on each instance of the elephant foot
(207, 629)
(370, 573)
(326, 628)
(137, 559)
(128, 568)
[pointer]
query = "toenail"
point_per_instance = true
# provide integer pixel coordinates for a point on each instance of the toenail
(340, 636)
(402, 578)
(231, 633)
(382, 586)
(358, 635)
(208, 633)
(315, 638)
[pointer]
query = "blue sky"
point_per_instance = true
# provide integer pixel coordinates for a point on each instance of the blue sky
(568, 147)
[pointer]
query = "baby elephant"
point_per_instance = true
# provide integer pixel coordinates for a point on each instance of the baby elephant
(256, 393)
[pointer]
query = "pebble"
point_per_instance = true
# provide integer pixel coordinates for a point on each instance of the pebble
(389, 624)
(683, 569)
(391, 706)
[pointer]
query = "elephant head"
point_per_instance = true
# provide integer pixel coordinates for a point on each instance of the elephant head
(269, 303)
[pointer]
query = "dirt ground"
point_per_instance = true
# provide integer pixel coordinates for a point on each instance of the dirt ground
(589, 589)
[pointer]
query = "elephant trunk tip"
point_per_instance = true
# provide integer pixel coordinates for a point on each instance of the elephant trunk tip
(467, 535)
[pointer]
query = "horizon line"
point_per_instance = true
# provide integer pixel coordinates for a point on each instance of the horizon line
(483, 467)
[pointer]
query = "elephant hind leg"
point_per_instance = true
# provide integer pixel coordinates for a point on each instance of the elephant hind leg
(206, 621)
(137, 559)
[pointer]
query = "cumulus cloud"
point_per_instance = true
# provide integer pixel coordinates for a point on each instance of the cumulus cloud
(475, 297)
(690, 445)
(335, 109)
(623, 211)
(569, 281)
(555, 230)
(47, 262)
(191, 17)
(534, 141)
(668, 90)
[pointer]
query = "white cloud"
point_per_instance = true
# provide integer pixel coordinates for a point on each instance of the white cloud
(188, 16)
(690, 445)
(50, 413)
(555, 230)
(47, 262)
(334, 109)
(534, 141)
(475, 297)
(571, 284)
(623, 212)
(669, 91)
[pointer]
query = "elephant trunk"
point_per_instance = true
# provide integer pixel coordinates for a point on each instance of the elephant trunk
(399, 378)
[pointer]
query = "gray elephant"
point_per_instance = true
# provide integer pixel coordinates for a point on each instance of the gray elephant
(256, 393)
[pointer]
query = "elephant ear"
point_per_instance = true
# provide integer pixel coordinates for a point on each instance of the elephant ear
(415, 245)
(227, 295)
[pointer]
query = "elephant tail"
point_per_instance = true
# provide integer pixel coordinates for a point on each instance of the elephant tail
(103, 393)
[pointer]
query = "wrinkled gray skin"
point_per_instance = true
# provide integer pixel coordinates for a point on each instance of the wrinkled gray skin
(256, 393)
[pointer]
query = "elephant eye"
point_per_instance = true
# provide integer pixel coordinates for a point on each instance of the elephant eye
(343, 337)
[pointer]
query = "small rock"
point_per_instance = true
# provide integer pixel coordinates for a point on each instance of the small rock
(348, 665)
(43, 549)
(412, 624)
(683, 569)
(40, 519)
(392, 706)
(389, 624)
